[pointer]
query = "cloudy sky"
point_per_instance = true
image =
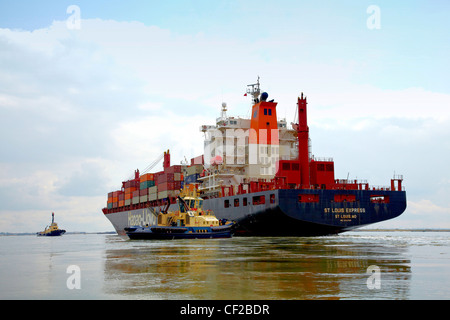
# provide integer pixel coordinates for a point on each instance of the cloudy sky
(92, 90)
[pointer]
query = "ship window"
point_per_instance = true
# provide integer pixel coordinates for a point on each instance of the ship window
(379, 199)
(329, 167)
(295, 167)
(272, 198)
(344, 197)
(308, 198)
(259, 200)
(226, 203)
(236, 202)
(286, 166)
(270, 112)
(244, 202)
(265, 112)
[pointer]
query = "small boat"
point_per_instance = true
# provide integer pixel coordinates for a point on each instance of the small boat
(189, 222)
(52, 230)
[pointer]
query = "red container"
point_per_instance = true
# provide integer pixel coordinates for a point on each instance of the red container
(143, 192)
(165, 177)
(173, 169)
(167, 186)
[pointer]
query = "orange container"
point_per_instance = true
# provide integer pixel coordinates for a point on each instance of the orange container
(147, 177)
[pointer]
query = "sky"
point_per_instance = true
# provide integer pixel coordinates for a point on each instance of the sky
(92, 90)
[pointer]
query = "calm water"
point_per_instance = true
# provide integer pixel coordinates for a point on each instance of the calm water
(412, 265)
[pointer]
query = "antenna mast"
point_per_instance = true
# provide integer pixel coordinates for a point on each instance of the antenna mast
(254, 90)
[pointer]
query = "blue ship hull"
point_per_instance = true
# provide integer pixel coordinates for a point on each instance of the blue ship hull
(170, 233)
(283, 214)
(55, 233)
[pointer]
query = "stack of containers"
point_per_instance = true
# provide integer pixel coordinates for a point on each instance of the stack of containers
(193, 173)
(147, 181)
(143, 195)
(110, 202)
(121, 201)
(130, 186)
(169, 182)
(153, 190)
(113, 199)
(135, 198)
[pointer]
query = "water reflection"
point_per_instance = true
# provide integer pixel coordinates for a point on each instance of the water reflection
(256, 268)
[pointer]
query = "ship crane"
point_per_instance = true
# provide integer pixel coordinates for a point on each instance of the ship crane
(150, 166)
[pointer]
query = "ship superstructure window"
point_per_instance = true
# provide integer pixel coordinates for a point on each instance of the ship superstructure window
(272, 198)
(244, 202)
(344, 197)
(259, 200)
(308, 198)
(236, 202)
(379, 199)
(226, 203)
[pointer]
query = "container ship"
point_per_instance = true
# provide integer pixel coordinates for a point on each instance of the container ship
(261, 174)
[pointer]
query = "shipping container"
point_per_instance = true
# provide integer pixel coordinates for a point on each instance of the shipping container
(127, 202)
(173, 169)
(147, 184)
(194, 169)
(152, 190)
(135, 200)
(143, 199)
(131, 184)
(121, 203)
(152, 196)
(192, 178)
(175, 185)
(156, 176)
(110, 205)
(166, 177)
(200, 160)
(147, 177)
(121, 197)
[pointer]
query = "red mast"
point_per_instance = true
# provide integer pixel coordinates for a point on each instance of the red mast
(303, 138)
(166, 162)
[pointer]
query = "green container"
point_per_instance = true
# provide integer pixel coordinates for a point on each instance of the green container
(147, 184)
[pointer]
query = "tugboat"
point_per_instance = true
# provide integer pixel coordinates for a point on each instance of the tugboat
(189, 222)
(52, 230)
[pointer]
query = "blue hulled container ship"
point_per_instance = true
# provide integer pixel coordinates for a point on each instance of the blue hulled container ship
(260, 173)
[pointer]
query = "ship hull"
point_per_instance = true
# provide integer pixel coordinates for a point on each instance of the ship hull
(55, 233)
(282, 212)
(170, 233)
